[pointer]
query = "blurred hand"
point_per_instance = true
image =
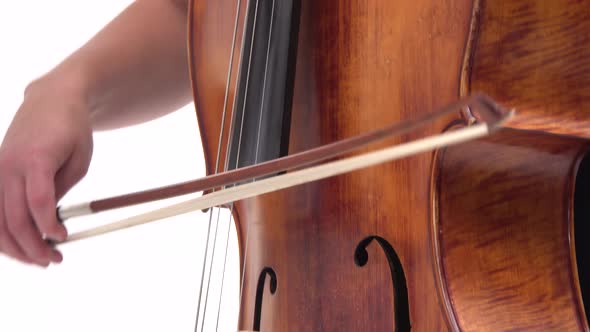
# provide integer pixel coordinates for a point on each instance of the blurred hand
(48, 147)
(46, 150)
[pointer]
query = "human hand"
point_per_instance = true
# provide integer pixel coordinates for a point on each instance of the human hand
(46, 150)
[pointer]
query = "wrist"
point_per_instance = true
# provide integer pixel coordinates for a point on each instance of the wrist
(67, 82)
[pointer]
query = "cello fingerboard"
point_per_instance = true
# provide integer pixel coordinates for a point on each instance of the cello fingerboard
(262, 108)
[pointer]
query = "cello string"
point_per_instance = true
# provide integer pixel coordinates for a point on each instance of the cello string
(223, 117)
(243, 112)
(255, 162)
(223, 270)
(264, 81)
(203, 269)
(210, 269)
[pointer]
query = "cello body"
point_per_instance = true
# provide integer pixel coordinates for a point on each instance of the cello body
(476, 237)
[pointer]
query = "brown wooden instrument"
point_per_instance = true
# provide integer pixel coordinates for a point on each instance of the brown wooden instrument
(488, 235)
(485, 236)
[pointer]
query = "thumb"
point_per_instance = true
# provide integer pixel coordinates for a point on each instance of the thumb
(40, 192)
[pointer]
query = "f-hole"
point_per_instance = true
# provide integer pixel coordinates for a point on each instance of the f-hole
(260, 292)
(398, 278)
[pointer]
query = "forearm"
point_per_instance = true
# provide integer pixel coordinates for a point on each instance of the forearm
(133, 70)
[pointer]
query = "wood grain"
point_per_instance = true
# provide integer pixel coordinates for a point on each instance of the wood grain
(502, 259)
(360, 65)
(503, 232)
(534, 56)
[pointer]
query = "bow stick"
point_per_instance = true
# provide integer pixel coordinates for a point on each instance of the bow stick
(491, 116)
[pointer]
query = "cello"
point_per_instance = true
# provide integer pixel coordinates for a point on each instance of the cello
(488, 235)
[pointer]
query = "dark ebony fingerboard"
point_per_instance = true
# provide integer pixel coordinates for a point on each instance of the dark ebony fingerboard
(262, 111)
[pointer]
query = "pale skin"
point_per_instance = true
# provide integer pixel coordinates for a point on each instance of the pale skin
(134, 70)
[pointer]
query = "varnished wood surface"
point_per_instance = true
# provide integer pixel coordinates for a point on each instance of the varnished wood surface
(360, 65)
(534, 55)
(503, 225)
(211, 32)
(501, 263)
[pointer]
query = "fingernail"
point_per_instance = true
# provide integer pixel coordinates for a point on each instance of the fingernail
(56, 256)
(63, 235)
(43, 265)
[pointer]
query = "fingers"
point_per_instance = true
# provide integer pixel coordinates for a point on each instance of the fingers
(7, 243)
(21, 226)
(47, 134)
(28, 222)
(40, 193)
(72, 171)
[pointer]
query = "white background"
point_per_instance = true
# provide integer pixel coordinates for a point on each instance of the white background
(143, 279)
